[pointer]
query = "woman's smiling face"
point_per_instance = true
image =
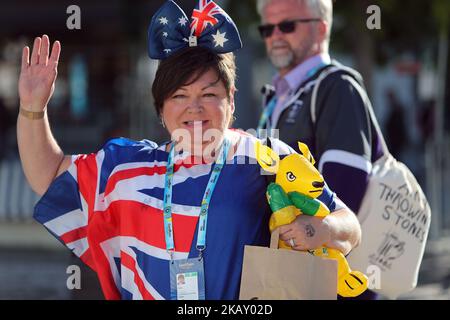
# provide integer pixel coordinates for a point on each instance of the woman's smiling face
(202, 109)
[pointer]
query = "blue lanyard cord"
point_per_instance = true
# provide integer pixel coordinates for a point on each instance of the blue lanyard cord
(313, 71)
(268, 111)
(167, 205)
(266, 114)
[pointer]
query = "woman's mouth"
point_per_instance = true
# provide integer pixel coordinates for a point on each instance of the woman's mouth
(196, 123)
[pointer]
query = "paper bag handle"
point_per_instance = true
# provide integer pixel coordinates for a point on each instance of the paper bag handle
(274, 238)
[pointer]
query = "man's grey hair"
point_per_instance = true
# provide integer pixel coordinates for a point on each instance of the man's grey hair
(322, 9)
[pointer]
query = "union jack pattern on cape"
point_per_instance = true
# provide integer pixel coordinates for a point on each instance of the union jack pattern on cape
(107, 208)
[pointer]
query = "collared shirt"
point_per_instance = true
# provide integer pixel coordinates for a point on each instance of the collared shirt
(287, 85)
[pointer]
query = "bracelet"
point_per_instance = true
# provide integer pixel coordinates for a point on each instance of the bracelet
(32, 115)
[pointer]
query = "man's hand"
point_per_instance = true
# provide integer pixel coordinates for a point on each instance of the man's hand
(307, 233)
(38, 76)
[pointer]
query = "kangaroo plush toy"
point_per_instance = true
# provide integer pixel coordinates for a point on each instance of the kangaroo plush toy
(299, 188)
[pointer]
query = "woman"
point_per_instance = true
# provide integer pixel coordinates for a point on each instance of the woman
(136, 212)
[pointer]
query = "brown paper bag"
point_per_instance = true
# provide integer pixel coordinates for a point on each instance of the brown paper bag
(280, 274)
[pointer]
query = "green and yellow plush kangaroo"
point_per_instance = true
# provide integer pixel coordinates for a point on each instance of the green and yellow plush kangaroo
(297, 186)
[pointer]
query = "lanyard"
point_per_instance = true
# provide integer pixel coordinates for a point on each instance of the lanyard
(167, 204)
(314, 70)
(267, 113)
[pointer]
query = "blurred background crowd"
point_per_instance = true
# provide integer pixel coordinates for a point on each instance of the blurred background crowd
(103, 91)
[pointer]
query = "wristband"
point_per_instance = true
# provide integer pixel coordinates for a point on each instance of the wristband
(32, 115)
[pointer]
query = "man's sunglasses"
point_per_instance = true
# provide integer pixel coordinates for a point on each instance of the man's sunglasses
(266, 30)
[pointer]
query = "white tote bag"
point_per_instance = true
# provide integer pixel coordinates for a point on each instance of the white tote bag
(395, 219)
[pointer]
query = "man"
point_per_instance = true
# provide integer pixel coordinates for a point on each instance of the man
(339, 125)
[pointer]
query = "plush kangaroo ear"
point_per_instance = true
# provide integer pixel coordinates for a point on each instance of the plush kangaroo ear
(267, 158)
(304, 151)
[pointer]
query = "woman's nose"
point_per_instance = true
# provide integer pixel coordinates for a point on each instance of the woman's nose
(195, 105)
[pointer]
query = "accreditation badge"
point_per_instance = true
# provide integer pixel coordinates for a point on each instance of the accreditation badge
(187, 279)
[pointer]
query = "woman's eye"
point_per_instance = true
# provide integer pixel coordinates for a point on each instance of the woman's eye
(178, 96)
(209, 95)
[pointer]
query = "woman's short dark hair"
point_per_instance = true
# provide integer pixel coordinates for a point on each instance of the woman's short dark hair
(187, 66)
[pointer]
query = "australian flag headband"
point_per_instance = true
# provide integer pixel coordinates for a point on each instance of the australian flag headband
(210, 26)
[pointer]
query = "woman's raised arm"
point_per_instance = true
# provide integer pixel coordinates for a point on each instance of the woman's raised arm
(42, 158)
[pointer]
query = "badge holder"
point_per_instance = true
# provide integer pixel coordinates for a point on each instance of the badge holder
(187, 278)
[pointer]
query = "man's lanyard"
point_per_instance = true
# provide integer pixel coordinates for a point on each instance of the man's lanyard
(314, 70)
(266, 114)
(167, 204)
(268, 111)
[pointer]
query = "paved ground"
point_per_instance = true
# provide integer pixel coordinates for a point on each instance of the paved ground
(434, 277)
(33, 265)
(40, 273)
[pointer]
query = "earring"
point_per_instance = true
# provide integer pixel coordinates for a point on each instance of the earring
(162, 122)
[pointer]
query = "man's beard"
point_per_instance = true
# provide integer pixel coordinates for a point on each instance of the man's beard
(288, 59)
(282, 61)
